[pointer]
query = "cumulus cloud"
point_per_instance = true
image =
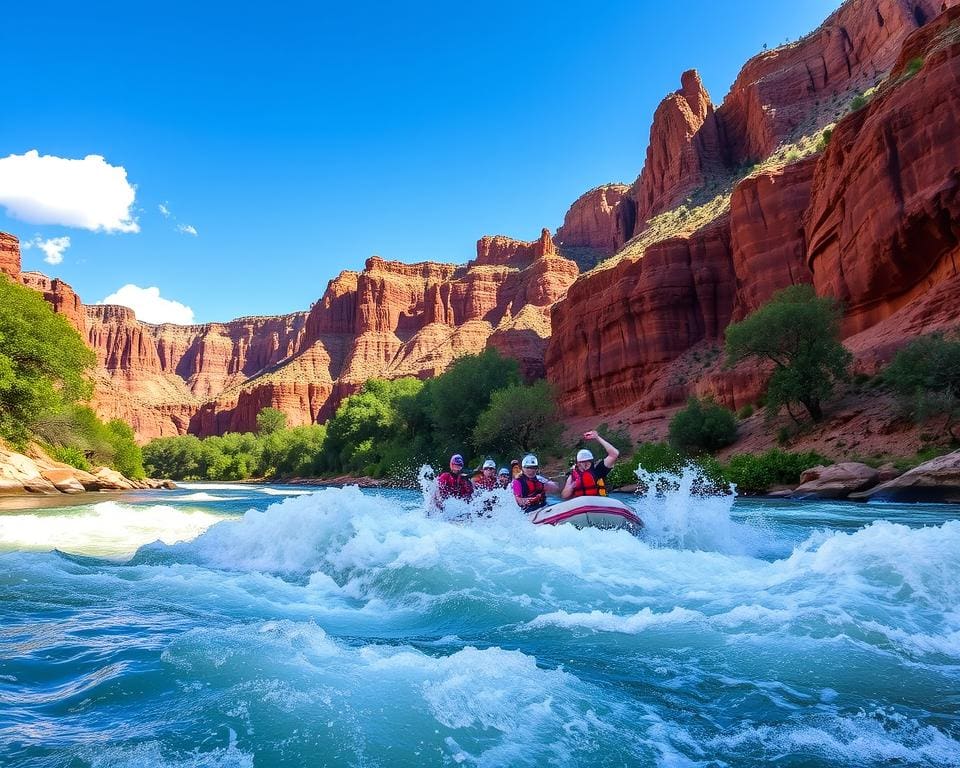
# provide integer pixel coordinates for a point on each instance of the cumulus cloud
(164, 209)
(187, 229)
(149, 306)
(53, 247)
(88, 193)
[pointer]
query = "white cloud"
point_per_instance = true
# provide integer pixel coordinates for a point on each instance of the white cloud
(52, 247)
(149, 306)
(165, 210)
(88, 193)
(187, 229)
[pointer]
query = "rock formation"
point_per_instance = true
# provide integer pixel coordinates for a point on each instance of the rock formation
(597, 225)
(9, 256)
(872, 221)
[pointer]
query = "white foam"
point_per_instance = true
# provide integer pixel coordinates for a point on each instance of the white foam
(105, 529)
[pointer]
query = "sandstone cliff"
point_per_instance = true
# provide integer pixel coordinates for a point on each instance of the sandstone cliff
(871, 220)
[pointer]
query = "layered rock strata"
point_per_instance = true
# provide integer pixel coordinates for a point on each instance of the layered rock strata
(871, 221)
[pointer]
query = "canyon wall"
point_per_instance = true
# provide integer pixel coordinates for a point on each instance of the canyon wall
(872, 220)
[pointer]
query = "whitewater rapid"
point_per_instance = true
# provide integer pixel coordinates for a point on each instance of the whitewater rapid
(345, 627)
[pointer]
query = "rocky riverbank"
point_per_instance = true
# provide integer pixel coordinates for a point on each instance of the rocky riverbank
(36, 473)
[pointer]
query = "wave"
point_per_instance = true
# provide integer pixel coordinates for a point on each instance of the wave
(106, 529)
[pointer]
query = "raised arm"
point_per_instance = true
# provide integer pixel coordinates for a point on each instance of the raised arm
(612, 453)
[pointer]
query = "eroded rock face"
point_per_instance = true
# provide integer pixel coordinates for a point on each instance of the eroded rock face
(882, 224)
(686, 148)
(394, 319)
(766, 233)
(9, 256)
(871, 221)
(597, 225)
(618, 328)
(60, 296)
(778, 96)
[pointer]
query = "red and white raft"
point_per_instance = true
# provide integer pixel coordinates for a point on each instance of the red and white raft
(589, 511)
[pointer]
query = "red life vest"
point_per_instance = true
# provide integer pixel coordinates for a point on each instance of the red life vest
(532, 488)
(456, 486)
(484, 484)
(585, 484)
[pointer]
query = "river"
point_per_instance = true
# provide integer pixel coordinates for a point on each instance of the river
(253, 625)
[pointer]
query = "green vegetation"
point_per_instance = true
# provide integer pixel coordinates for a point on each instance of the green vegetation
(387, 428)
(703, 426)
(745, 412)
(43, 362)
(913, 66)
(270, 420)
(800, 335)
(44, 368)
(756, 473)
(824, 139)
(925, 376)
(520, 419)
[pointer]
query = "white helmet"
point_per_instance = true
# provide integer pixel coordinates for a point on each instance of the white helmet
(530, 461)
(584, 455)
(489, 464)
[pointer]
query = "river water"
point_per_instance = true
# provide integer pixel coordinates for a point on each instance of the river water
(232, 625)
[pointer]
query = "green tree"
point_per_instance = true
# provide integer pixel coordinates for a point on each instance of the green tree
(925, 376)
(175, 458)
(463, 392)
(127, 455)
(702, 426)
(43, 361)
(799, 334)
(270, 420)
(364, 433)
(520, 419)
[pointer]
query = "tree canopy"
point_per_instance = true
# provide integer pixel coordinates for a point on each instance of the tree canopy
(43, 361)
(799, 333)
(520, 418)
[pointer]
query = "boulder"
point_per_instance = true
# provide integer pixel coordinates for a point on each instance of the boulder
(64, 480)
(836, 481)
(937, 480)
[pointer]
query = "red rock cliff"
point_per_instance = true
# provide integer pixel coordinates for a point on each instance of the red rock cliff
(9, 255)
(597, 225)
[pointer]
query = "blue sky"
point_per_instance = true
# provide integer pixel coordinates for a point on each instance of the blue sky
(300, 138)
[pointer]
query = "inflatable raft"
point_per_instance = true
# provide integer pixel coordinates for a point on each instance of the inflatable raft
(592, 511)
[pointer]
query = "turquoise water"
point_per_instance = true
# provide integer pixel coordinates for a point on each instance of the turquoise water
(266, 626)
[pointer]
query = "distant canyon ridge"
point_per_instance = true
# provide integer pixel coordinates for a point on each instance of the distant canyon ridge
(834, 161)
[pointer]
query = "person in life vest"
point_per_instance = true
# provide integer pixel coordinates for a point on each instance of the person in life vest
(504, 478)
(488, 478)
(453, 484)
(586, 477)
(530, 489)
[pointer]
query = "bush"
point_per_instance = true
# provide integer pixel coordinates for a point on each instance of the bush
(702, 426)
(913, 66)
(925, 376)
(657, 458)
(824, 139)
(70, 455)
(745, 412)
(799, 334)
(520, 419)
(858, 102)
(756, 473)
(623, 473)
(270, 420)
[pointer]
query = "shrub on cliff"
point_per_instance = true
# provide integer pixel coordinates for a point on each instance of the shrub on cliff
(703, 426)
(43, 361)
(925, 376)
(520, 419)
(756, 473)
(800, 334)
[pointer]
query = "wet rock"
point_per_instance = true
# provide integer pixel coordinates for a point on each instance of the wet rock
(937, 480)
